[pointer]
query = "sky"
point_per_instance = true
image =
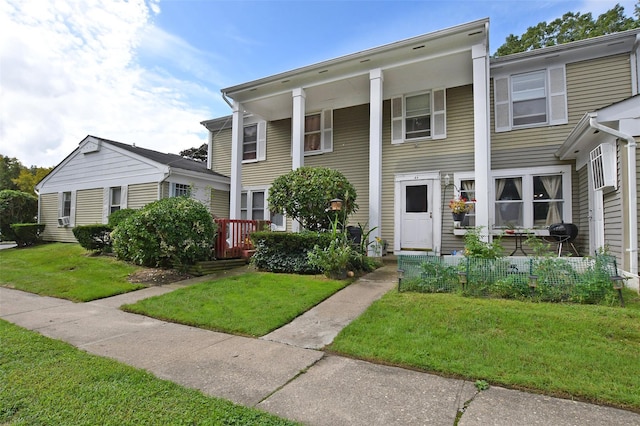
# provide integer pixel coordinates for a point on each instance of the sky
(149, 71)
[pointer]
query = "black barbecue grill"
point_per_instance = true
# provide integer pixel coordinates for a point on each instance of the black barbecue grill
(563, 233)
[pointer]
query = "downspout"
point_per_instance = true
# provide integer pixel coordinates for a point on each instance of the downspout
(166, 176)
(632, 214)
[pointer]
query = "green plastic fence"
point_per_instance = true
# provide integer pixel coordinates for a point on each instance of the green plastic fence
(553, 279)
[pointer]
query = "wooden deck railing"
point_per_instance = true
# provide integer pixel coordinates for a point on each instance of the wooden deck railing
(232, 238)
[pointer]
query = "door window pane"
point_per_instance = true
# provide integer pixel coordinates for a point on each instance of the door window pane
(416, 199)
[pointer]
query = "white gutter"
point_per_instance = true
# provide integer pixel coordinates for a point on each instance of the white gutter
(632, 214)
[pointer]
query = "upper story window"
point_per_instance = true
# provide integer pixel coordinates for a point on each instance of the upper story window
(115, 198)
(318, 132)
(530, 99)
(418, 116)
(250, 142)
(180, 190)
(254, 142)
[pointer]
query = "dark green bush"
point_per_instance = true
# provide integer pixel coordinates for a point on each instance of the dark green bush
(16, 207)
(172, 232)
(27, 234)
(118, 216)
(287, 252)
(94, 237)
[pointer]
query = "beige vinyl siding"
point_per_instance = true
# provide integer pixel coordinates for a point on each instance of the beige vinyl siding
(89, 204)
(590, 85)
(49, 217)
(450, 155)
(164, 190)
(350, 155)
(581, 210)
(140, 195)
(219, 203)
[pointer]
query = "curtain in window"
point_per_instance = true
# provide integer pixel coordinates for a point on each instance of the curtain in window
(469, 186)
(500, 184)
(552, 185)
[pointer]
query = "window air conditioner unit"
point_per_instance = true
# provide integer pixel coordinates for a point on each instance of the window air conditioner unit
(64, 221)
(603, 167)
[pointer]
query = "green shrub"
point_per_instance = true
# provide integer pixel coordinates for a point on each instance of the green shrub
(286, 252)
(305, 193)
(16, 207)
(476, 248)
(94, 237)
(172, 232)
(27, 234)
(119, 216)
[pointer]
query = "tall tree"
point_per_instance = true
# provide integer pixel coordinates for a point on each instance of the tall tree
(28, 178)
(9, 170)
(199, 154)
(570, 27)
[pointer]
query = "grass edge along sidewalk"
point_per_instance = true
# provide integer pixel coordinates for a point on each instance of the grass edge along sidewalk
(46, 381)
(586, 352)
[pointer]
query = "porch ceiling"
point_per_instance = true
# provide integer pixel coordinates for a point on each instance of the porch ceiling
(435, 60)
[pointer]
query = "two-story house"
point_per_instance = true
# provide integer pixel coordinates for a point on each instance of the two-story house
(413, 123)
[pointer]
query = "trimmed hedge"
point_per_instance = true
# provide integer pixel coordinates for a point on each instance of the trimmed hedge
(16, 207)
(287, 251)
(119, 216)
(27, 234)
(94, 237)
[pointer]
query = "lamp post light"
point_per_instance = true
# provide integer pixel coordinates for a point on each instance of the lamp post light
(335, 204)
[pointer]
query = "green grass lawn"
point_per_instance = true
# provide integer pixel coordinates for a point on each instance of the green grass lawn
(250, 304)
(581, 351)
(48, 382)
(66, 271)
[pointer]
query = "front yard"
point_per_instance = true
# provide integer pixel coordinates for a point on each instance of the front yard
(586, 352)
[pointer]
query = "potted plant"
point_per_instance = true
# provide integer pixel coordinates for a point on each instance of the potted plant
(459, 208)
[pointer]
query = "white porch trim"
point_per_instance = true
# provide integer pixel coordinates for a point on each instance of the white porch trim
(237, 132)
(376, 80)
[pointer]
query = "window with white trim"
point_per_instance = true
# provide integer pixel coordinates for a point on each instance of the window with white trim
(254, 206)
(250, 142)
(115, 199)
(318, 132)
(418, 116)
(66, 204)
(180, 190)
(531, 198)
(530, 99)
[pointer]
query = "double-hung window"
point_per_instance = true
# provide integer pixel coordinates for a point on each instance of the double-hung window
(418, 116)
(318, 132)
(254, 206)
(115, 199)
(254, 141)
(66, 204)
(529, 99)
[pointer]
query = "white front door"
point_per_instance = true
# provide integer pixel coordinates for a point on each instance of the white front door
(416, 222)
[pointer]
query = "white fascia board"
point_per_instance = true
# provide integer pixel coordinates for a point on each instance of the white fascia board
(475, 27)
(220, 182)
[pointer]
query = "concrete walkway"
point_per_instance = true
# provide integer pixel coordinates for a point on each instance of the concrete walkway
(284, 372)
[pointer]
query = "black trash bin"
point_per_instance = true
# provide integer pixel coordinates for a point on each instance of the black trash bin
(355, 235)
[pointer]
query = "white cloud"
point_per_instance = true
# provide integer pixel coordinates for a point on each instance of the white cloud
(69, 68)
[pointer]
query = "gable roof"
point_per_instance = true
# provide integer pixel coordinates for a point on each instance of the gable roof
(173, 160)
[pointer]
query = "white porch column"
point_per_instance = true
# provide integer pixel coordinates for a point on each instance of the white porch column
(297, 136)
(482, 141)
(237, 132)
(375, 153)
(297, 128)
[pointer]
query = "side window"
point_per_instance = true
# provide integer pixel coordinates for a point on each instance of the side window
(254, 206)
(180, 190)
(66, 204)
(318, 132)
(254, 142)
(115, 199)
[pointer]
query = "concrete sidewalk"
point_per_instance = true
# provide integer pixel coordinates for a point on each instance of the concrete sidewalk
(280, 374)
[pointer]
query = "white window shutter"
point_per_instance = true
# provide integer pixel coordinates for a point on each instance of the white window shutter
(439, 115)
(106, 201)
(124, 194)
(397, 122)
(502, 109)
(60, 203)
(557, 96)
(327, 130)
(72, 219)
(262, 141)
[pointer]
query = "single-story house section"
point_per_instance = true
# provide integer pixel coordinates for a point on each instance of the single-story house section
(414, 123)
(102, 176)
